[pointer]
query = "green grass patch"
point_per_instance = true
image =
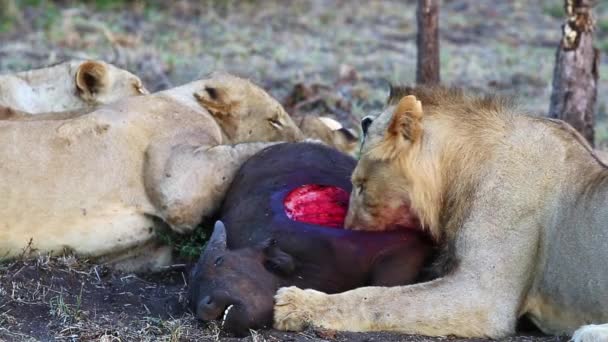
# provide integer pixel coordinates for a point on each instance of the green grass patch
(603, 45)
(186, 246)
(554, 9)
(602, 24)
(6, 24)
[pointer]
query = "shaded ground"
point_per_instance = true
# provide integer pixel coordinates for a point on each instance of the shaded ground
(498, 46)
(65, 299)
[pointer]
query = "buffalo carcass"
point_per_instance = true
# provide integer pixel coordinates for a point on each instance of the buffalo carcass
(282, 225)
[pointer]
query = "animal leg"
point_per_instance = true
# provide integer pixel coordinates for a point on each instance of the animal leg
(195, 180)
(149, 257)
(479, 298)
(591, 333)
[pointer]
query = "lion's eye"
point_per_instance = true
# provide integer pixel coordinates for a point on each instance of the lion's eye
(275, 123)
(218, 261)
(360, 187)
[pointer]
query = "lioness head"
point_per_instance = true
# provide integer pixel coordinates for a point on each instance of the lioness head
(98, 83)
(331, 132)
(68, 86)
(244, 111)
(380, 199)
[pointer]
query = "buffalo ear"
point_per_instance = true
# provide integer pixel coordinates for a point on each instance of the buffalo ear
(275, 260)
(91, 78)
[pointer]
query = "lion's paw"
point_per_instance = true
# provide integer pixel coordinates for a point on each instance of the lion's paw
(294, 308)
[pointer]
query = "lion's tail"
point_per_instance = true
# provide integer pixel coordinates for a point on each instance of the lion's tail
(591, 333)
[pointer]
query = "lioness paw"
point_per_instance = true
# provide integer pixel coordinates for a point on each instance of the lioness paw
(294, 308)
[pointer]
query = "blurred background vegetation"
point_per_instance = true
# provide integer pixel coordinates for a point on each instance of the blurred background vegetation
(488, 46)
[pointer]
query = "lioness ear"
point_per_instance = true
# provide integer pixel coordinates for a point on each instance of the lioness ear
(215, 100)
(407, 119)
(91, 78)
(278, 261)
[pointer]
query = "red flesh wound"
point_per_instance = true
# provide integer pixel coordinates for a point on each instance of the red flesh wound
(317, 204)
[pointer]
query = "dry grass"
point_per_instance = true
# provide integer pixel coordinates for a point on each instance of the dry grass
(506, 47)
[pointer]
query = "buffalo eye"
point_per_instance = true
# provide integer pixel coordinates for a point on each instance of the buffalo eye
(218, 261)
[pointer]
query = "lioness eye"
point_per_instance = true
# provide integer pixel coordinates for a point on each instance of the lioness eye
(218, 261)
(275, 123)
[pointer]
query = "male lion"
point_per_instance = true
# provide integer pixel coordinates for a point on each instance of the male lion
(518, 204)
(95, 184)
(68, 86)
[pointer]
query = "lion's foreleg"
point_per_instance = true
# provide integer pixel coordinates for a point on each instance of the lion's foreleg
(447, 306)
(480, 298)
(591, 333)
(196, 179)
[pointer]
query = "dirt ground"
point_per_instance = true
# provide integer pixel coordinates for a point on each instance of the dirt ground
(65, 299)
(487, 46)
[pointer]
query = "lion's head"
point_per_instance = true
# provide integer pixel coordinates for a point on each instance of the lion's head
(244, 111)
(380, 199)
(417, 168)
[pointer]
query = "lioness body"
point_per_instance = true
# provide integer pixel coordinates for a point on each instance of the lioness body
(95, 184)
(68, 86)
(519, 204)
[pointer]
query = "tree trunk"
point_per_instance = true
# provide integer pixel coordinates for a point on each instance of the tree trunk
(576, 70)
(427, 39)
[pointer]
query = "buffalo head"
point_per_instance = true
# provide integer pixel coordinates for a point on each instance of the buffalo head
(237, 286)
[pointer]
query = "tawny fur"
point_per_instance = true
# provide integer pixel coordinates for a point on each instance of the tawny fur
(68, 86)
(101, 184)
(330, 132)
(515, 202)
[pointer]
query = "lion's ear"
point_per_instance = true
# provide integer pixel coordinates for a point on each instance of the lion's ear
(215, 100)
(407, 119)
(91, 78)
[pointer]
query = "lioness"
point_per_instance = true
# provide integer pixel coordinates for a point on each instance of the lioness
(68, 86)
(329, 131)
(518, 204)
(94, 184)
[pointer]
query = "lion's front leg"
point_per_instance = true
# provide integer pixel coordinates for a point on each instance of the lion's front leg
(436, 308)
(480, 298)
(194, 180)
